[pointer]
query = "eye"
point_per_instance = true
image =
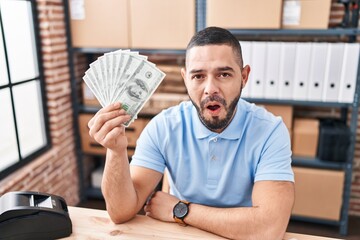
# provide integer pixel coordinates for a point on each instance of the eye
(197, 77)
(224, 75)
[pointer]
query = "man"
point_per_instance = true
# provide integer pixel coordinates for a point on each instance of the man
(227, 160)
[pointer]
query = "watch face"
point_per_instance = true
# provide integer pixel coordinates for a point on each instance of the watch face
(180, 210)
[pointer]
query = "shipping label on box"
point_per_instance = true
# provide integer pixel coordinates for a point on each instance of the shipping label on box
(306, 14)
(291, 13)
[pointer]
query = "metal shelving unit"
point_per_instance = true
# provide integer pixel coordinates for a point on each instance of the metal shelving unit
(74, 101)
(85, 191)
(334, 32)
(318, 163)
(315, 35)
(299, 103)
(347, 165)
(142, 51)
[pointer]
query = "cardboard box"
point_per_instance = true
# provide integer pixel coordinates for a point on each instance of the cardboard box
(306, 14)
(305, 137)
(318, 193)
(134, 130)
(88, 144)
(161, 101)
(162, 24)
(284, 111)
(102, 24)
(256, 14)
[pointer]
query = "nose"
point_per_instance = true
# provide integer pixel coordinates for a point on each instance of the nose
(211, 86)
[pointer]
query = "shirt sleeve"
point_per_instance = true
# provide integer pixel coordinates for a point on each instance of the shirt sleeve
(275, 159)
(147, 153)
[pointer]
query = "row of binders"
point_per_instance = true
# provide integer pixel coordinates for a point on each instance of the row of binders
(301, 71)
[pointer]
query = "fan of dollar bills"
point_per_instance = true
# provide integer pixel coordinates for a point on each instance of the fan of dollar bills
(123, 76)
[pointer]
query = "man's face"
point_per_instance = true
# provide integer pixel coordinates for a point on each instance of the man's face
(214, 81)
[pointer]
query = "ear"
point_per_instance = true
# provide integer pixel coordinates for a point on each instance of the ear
(245, 75)
(183, 74)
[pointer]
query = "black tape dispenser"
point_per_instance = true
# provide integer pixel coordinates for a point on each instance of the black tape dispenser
(33, 215)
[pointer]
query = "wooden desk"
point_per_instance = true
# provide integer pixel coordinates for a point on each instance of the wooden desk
(96, 224)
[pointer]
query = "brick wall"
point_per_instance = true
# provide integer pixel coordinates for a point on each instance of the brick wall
(55, 171)
(355, 188)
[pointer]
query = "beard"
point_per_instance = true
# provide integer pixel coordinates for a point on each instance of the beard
(216, 123)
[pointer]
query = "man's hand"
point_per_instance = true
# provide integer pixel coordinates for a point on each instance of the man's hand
(107, 129)
(160, 206)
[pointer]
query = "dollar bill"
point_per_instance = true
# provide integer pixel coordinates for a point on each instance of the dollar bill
(138, 89)
(132, 62)
(99, 79)
(90, 82)
(123, 76)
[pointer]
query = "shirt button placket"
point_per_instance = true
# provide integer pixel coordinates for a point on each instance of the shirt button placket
(213, 168)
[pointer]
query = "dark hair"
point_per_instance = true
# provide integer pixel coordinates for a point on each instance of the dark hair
(216, 36)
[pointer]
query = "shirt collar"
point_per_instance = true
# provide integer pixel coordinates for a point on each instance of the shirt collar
(232, 132)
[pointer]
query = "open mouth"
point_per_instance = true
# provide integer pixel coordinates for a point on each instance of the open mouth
(213, 107)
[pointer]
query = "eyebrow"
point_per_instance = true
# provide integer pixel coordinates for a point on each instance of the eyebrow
(196, 71)
(226, 68)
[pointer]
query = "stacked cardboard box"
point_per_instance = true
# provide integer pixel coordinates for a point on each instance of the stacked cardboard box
(318, 193)
(248, 14)
(137, 23)
(306, 14)
(173, 81)
(305, 137)
(90, 146)
(102, 24)
(161, 101)
(162, 23)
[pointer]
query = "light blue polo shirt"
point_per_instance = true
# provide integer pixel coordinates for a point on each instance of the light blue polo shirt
(216, 169)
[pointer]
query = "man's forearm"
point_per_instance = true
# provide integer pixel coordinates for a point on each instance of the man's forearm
(238, 223)
(267, 219)
(117, 187)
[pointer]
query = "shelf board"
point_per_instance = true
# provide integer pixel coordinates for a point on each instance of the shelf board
(298, 103)
(88, 109)
(144, 113)
(296, 32)
(315, 220)
(317, 163)
(141, 51)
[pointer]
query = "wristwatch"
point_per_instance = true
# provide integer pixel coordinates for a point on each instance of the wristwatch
(180, 211)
